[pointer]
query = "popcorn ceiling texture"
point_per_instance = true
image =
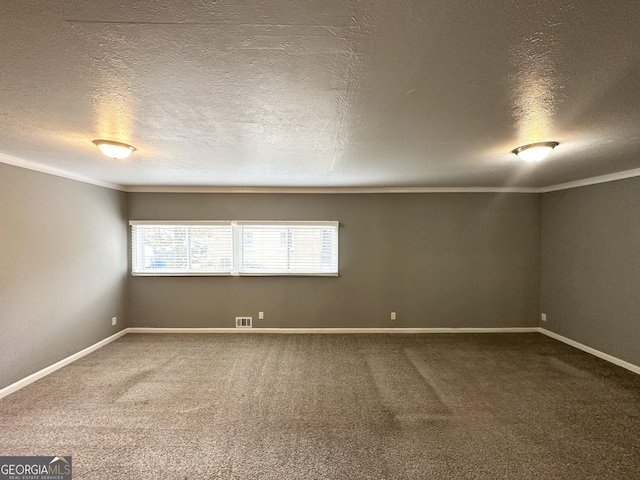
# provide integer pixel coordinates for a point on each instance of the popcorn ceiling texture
(338, 93)
(332, 406)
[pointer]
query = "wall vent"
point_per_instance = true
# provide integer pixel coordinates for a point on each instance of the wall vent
(243, 322)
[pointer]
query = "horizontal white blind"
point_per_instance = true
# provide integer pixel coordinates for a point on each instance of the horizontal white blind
(182, 249)
(287, 249)
(234, 248)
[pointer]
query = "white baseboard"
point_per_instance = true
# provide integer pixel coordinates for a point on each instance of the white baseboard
(58, 365)
(334, 330)
(597, 353)
(72, 358)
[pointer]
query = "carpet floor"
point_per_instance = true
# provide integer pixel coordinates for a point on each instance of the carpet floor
(208, 406)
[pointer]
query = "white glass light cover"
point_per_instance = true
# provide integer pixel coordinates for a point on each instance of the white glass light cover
(535, 152)
(116, 150)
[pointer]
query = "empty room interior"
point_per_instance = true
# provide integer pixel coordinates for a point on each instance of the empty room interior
(320, 239)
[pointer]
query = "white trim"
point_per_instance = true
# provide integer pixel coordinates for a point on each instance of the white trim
(58, 365)
(72, 358)
(612, 177)
(324, 190)
(335, 330)
(184, 274)
(597, 353)
(38, 167)
(286, 223)
(180, 222)
(319, 223)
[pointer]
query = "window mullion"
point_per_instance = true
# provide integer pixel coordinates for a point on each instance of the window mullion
(289, 242)
(188, 239)
(236, 232)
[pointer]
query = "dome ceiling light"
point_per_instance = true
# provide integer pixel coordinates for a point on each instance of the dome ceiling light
(115, 150)
(534, 152)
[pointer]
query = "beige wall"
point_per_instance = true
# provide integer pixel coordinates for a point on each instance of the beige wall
(590, 288)
(63, 268)
(438, 260)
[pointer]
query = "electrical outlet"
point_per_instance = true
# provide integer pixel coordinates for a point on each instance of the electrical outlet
(543, 317)
(260, 315)
(393, 315)
(114, 320)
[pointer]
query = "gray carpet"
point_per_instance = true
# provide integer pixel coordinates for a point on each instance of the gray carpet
(331, 407)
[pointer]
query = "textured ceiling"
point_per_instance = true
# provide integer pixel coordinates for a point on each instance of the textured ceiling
(330, 93)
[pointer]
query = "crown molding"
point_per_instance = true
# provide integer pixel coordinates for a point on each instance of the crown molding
(327, 190)
(612, 177)
(38, 167)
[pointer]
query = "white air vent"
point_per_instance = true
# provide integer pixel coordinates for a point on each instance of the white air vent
(243, 322)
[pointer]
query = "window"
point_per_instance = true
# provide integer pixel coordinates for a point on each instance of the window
(181, 248)
(234, 248)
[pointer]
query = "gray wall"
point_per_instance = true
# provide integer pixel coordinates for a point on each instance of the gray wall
(590, 285)
(439, 260)
(63, 268)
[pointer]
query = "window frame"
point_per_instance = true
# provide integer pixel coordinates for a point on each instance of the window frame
(236, 240)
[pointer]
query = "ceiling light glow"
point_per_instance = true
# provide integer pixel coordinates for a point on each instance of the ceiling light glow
(115, 150)
(535, 152)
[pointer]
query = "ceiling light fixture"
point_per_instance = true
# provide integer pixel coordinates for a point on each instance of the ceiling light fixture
(116, 150)
(534, 152)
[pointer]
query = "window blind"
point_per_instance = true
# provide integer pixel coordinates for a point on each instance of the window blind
(234, 248)
(280, 248)
(175, 249)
